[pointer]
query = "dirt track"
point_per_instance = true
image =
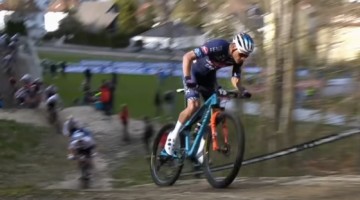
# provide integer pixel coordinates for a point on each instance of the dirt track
(330, 188)
(106, 132)
(290, 188)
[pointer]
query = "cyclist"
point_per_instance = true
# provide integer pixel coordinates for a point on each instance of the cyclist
(22, 94)
(26, 80)
(50, 91)
(70, 127)
(53, 101)
(81, 143)
(199, 71)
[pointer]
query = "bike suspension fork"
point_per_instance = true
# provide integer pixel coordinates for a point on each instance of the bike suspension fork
(225, 132)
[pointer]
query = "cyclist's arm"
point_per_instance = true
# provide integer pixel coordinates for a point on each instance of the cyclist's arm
(188, 58)
(236, 77)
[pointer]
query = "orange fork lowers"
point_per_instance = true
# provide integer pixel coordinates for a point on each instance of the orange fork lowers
(215, 144)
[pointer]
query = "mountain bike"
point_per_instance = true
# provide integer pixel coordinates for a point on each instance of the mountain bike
(214, 129)
(85, 165)
(53, 118)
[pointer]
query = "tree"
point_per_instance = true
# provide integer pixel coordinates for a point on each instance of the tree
(189, 12)
(127, 21)
(288, 33)
(70, 25)
(272, 102)
(148, 19)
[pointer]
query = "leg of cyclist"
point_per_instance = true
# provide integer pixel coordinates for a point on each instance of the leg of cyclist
(192, 97)
(193, 103)
(207, 87)
(204, 80)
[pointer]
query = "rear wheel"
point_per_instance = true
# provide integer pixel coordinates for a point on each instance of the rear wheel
(222, 166)
(85, 168)
(165, 169)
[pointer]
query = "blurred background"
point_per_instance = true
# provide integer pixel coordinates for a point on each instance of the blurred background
(304, 73)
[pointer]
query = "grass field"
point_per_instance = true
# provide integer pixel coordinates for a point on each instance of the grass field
(137, 91)
(70, 57)
(30, 155)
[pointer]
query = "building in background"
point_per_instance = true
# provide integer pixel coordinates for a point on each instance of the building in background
(174, 35)
(98, 15)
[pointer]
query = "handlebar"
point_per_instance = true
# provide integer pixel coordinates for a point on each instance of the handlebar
(229, 93)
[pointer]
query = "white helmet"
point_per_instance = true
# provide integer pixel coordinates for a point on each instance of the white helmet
(38, 81)
(52, 89)
(72, 124)
(26, 79)
(244, 43)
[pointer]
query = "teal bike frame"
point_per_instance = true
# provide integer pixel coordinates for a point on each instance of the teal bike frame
(203, 112)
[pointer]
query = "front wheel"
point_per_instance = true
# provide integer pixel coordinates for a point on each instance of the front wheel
(221, 166)
(165, 169)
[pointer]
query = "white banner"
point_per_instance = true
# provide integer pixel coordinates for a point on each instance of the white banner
(142, 68)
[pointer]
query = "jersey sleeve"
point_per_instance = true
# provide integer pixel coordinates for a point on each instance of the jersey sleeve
(212, 48)
(202, 51)
(236, 71)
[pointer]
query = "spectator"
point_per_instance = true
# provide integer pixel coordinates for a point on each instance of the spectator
(148, 133)
(53, 70)
(162, 76)
(13, 85)
(63, 66)
(124, 118)
(105, 97)
(112, 88)
(85, 86)
(169, 103)
(1, 101)
(88, 75)
(114, 79)
(88, 97)
(158, 103)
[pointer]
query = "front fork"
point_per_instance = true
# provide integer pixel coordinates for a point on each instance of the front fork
(214, 115)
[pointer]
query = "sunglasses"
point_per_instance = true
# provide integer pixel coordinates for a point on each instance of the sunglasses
(242, 55)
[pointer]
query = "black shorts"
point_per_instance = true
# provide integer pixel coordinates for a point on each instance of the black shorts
(51, 106)
(205, 79)
(86, 152)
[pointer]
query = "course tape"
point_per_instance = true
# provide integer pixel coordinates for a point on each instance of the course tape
(287, 151)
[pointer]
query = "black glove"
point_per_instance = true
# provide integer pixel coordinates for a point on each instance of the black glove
(189, 82)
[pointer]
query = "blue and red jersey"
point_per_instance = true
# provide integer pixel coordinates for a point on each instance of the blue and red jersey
(216, 54)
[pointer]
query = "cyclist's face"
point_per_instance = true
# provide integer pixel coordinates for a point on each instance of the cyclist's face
(239, 57)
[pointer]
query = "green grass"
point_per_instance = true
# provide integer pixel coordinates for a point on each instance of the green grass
(29, 192)
(74, 57)
(30, 155)
(16, 140)
(136, 91)
(134, 171)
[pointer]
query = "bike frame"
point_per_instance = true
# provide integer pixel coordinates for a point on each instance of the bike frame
(207, 108)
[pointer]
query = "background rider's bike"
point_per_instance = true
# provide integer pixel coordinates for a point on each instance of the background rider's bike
(85, 164)
(211, 136)
(52, 115)
(53, 118)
